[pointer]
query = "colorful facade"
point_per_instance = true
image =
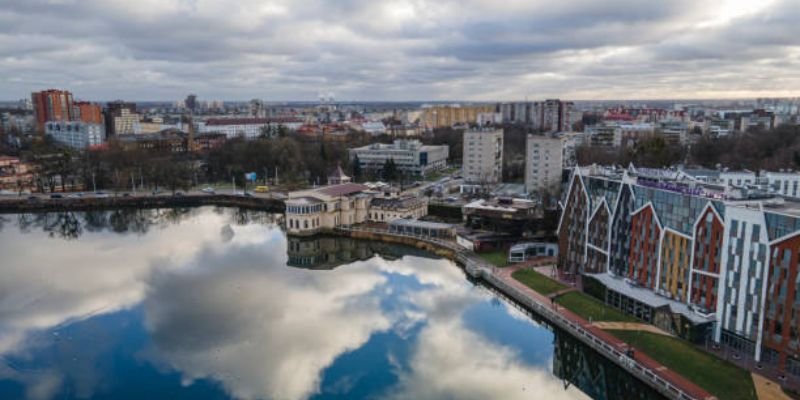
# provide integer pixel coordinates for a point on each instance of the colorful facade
(732, 261)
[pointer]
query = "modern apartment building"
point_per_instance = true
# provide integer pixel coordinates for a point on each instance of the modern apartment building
(249, 128)
(85, 111)
(543, 163)
(121, 118)
(51, 105)
(76, 134)
(483, 156)
(552, 115)
(410, 156)
(689, 257)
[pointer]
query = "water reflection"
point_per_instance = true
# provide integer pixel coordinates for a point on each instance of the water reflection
(579, 365)
(200, 303)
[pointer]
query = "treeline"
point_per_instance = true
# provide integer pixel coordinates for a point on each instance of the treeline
(756, 149)
(295, 160)
(654, 152)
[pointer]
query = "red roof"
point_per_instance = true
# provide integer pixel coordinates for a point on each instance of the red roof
(342, 190)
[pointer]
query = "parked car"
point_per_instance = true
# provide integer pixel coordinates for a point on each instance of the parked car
(101, 195)
(33, 198)
(178, 194)
(209, 190)
(126, 195)
(56, 196)
(75, 195)
(261, 189)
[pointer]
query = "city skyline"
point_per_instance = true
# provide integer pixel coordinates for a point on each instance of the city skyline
(400, 51)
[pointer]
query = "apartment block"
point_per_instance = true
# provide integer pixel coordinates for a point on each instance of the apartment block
(51, 105)
(689, 255)
(483, 156)
(543, 163)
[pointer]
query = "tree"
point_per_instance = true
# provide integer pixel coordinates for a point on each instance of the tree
(356, 168)
(389, 170)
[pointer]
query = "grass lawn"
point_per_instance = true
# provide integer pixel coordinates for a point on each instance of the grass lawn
(590, 308)
(537, 281)
(496, 258)
(719, 377)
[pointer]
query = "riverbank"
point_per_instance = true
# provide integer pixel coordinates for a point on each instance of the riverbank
(664, 380)
(91, 203)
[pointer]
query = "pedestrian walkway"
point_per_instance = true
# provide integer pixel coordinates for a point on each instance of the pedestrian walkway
(767, 389)
(630, 326)
(665, 373)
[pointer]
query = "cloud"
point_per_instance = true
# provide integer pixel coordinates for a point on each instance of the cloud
(399, 49)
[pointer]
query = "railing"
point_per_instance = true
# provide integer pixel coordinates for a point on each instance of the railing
(478, 268)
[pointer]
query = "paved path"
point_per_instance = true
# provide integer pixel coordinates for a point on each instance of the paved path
(671, 376)
(630, 326)
(767, 389)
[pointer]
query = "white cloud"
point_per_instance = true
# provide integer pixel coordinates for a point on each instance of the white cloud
(391, 50)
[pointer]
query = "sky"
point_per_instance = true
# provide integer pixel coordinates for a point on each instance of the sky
(373, 50)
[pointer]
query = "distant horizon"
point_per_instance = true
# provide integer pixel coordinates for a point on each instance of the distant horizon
(452, 101)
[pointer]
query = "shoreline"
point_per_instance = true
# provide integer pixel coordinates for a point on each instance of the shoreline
(24, 205)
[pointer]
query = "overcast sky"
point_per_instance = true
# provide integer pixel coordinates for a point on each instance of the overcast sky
(400, 50)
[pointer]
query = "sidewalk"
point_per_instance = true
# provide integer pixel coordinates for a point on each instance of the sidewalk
(665, 373)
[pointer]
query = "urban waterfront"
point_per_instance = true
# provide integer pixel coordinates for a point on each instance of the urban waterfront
(218, 303)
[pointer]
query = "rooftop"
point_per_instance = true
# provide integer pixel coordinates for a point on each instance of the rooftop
(650, 298)
(341, 190)
(250, 121)
(420, 224)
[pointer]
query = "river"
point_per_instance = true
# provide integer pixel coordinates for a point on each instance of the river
(217, 303)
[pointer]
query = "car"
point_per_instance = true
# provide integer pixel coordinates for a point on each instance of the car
(101, 195)
(33, 198)
(156, 192)
(75, 195)
(178, 194)
(248, 194)
(451, 199)
(56, 196)
(209, 190)
(126, 195)
(261, 189)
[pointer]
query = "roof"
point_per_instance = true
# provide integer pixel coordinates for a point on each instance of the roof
(250, 121)
(420, 224)
(649, 297)
(303, 201)
(338, 173)
(341, 190)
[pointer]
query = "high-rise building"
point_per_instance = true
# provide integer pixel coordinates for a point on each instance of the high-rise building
(700, 260)
(51, 105)
(543, 164)
(191, 102)
(121, 118)
(483, 156)
(552, 115)
(85, 111)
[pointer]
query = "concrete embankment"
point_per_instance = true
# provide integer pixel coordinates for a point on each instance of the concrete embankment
(437, 249)
(22, 205)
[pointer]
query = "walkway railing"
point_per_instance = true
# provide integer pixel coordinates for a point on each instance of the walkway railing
(478, 268)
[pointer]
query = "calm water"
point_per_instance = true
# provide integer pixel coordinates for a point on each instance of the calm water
(218, 303)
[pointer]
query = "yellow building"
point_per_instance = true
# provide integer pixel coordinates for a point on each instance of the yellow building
(675, 261)
(449, 115)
